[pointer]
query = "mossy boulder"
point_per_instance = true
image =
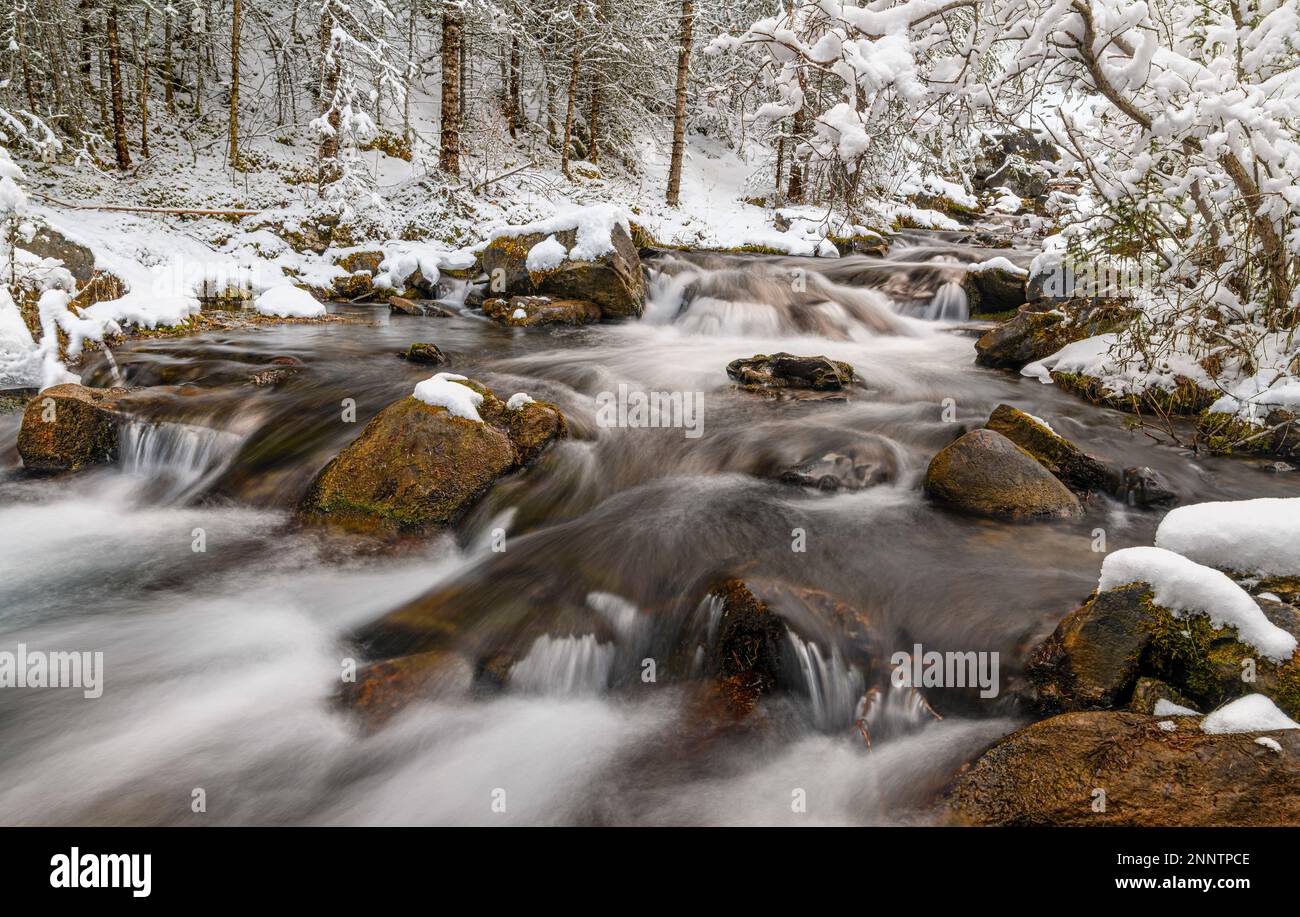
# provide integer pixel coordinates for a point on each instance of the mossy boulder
(992, 290)
(1091, 661)
(1099, 652)
(367, 261)
(416, 467)
(1079, 471)
(1048, 774)
(70, 426)
(526, 311)
(614, 281)
(1035, 332)
(785, 370)
(986, 474)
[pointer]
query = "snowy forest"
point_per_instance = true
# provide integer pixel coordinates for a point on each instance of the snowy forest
(650, 411)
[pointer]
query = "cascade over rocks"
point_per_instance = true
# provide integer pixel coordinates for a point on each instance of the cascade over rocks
(986, 474)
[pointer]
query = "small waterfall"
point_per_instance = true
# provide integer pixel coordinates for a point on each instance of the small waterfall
(729, 296)
(114, 369)
(178, 459)
(564, 666)
(948, 304)
(833, 688)
(893, 712)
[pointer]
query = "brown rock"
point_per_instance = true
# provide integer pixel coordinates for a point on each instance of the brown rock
(70, 426)
(541, 310)
(986, 474)
(1049, 774)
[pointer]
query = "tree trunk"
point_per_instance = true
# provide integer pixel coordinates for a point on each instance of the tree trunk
(115, 80)
(168, 77)
(330, 65)
(144, 86)
(679, 111)
(235, 22)
(568, 113)
(449, 150)
(516, 119)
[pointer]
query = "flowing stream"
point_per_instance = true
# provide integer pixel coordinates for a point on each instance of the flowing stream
(225, 624)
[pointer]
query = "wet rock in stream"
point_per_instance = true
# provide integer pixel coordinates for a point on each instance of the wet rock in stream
(986, 474)
(70, 426)
(1079, 471)
(526, 311)
(1047, 774)
(787, 371)
(416, 466)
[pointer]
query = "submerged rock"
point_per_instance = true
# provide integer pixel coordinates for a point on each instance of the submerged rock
(1142, 486)
(785, 370)
(384, 688)
(416, 466)
(404, 306)
(746, 656)
(424, 354)
(852, 468)
(985, 473)
(613, 281)
(1049, 774)
(1100, 650)
(69, 426)
(526, 311)
(1077, 470)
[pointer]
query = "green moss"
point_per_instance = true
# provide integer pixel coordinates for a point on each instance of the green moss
(1185, 398)
(1224, 434)
(1205, 662)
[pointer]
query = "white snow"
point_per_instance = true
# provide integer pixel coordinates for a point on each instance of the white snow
(1252, 713)
(445, 391)
(546, 255)
(1165, 707)
(1269, 743)
(999, 263)
(1259, 537)
(1100, 357)
(519, 313)
(1168, 725)
(593, 227)
(518, 400)
(1185, 587)
(288, 301)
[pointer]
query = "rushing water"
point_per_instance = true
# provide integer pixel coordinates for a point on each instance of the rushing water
(221, 665)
